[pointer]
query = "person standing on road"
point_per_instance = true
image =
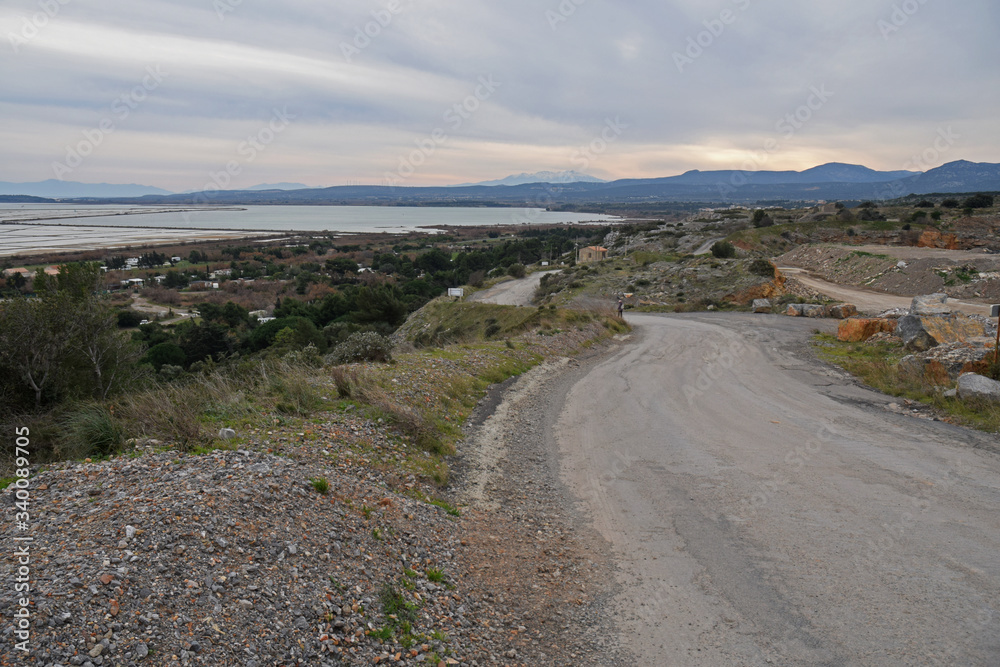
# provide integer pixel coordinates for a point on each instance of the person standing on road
(621, 307)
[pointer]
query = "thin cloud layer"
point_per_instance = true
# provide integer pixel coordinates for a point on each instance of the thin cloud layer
(175, 93)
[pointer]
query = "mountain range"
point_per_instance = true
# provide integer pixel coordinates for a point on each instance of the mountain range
(831, 182)
(540, 177)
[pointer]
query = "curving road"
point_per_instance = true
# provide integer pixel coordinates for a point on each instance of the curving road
(765, 510)
(518, 292)
(870, 301)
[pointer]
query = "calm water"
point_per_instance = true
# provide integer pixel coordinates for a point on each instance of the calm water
(287, 218)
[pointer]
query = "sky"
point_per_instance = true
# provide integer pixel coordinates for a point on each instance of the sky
(190, 94)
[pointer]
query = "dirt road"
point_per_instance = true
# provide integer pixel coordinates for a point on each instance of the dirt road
(763, 509)
(870, 301)
(512, 292)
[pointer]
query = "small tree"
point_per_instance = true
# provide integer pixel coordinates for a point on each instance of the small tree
(723, 250)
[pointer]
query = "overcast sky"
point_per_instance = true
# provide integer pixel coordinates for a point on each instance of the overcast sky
(183, 93)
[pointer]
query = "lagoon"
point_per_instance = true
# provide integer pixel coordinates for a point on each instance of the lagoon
(34, 228)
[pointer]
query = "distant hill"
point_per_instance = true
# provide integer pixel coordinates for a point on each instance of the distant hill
(24, 199)
(829, 182)
(955, 177)
(277, 186)
(54, 189)
(540, 177)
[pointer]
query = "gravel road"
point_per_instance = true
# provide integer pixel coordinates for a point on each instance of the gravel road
(512, 292)
(870, 301)
(762, 508)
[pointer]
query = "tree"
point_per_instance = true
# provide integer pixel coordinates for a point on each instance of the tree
(380, 304)
(979, 201)
(32, 340)
(164, 354)
(110, 356)
(723, 250)
(206, 340)
(77, 281)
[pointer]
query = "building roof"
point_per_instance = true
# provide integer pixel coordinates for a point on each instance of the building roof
(596, 248)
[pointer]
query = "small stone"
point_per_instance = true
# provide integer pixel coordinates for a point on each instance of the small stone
(106, 579)
(141, 651)
(114, 609)
(129, 532)
(96, 651)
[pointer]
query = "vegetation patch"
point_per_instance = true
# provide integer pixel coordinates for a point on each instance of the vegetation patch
(877, 365)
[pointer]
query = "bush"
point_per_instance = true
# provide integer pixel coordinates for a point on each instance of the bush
(368, 346)
(129, 319)
(979, 201)
(762, 267)
(90, 430)
(762, 219)
(724, 250)
(516, 270)
(165, 354)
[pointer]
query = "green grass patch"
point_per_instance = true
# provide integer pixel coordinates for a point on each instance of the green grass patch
(320, 484)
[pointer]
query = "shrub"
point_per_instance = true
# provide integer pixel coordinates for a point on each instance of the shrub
(762, 267)
(979, 201)
(516, 270)
(320, 484)
(762, 219)
(129, 319)
(723, 250)
(367, 346)
(91, 430)
(165, 354)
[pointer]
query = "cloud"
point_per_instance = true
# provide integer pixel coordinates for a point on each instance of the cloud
(368, 80)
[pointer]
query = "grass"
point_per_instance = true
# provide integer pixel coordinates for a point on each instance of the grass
(878, 367)
(450, 509)
(435, 575)
(320, 484)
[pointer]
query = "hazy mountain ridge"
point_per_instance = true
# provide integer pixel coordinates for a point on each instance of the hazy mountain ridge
(539, 177)
(55, 189)
(832, 181)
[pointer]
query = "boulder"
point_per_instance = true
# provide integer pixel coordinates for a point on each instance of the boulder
(859, 329)
(227, 434)
(946, 363)
(976, 386)
(930, 304)
(842, 311)
(915, 336)
(805, 310)
(921, 333)
(762, 305)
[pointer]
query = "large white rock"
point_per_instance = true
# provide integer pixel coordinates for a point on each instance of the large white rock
(930, 304)
(972, 385)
